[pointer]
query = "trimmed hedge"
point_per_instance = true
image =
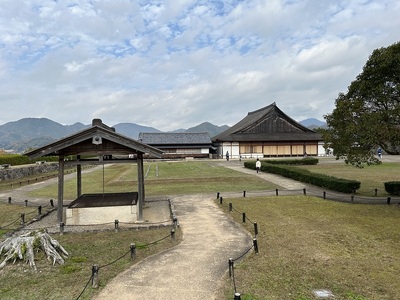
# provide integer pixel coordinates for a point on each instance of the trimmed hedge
(17, 159)
(392, 187)
(299, 162)
(321, 180)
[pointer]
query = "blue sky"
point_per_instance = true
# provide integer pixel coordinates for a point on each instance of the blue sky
(175, 64)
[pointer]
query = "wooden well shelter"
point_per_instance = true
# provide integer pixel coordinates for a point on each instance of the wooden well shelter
(97, 145)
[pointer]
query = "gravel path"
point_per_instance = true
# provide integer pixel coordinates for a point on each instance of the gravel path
(193, 269)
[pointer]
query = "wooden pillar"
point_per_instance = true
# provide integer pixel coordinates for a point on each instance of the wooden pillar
(79, 178)
(60, 188)
(140, 203)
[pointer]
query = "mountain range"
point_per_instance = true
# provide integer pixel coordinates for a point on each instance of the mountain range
(28, 133)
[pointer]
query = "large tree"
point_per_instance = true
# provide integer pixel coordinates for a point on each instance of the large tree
(368, 115)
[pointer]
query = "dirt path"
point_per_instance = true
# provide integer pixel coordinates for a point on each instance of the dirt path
(194, 268)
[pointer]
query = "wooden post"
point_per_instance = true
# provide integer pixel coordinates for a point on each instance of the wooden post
(78, 178)
(133, 250)
(95, 276)
(60, 188)
(140, 203)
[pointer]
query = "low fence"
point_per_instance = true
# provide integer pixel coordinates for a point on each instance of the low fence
(94, 278)
(26, 218)
(231, 261)
(42, 210)
(323, 194)
(353, 199)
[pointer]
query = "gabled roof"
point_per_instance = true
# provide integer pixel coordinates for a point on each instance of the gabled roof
(99, 139)
(186, 138)
(268, 124)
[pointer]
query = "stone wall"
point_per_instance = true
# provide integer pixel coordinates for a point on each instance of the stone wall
(19, 172)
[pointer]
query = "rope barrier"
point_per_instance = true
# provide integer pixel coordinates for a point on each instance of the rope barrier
(113, 262)
(90, 279)
(96, 269)
(4, 227)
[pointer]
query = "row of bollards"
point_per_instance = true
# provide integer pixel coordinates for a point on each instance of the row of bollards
(26, 201)
(388, 199)
(132, 251)
(237, 296)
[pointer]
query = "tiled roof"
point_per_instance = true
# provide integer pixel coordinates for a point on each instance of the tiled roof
(267, 124)
(160, 138)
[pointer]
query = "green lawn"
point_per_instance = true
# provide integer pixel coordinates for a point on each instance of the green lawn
(305, 243)
(308, 244)
(162, 178)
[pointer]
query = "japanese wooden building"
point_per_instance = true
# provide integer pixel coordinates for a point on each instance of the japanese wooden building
(268, 132)
(99, 145)
(179, 145)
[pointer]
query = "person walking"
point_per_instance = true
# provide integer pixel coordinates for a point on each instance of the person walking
(258, 165)
(227, 155)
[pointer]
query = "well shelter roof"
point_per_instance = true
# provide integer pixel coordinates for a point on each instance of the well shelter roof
(99, 139)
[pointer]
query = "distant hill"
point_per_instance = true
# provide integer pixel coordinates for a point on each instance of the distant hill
(31, 133)
(212, 130)
(313, 123)
(132, 130)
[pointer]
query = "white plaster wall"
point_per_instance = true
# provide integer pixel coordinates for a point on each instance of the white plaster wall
(101, 215)
(232, 148)
(205, 150)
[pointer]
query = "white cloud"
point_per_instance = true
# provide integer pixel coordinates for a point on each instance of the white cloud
(175, 64)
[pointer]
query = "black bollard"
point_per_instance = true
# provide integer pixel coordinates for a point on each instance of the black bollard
(304, 192)
(244, 217)
(9, 200)
(39, 210)
(255, 229)
(26, 202)
(51, 203)
(352, 198)
(388, 200)
(217, 195)
(324, 195)
(133, 250)
(220, 200)
(230, 267)
(255, 244)
(237, 296)
(116, 225)
(230, 206)
(276, 192)
(376, 192)
(244, 194)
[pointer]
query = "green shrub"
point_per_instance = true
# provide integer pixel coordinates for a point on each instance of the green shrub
(14, 159)
(17, 159)
(392, 187)
(321, 180)
(299, 162)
